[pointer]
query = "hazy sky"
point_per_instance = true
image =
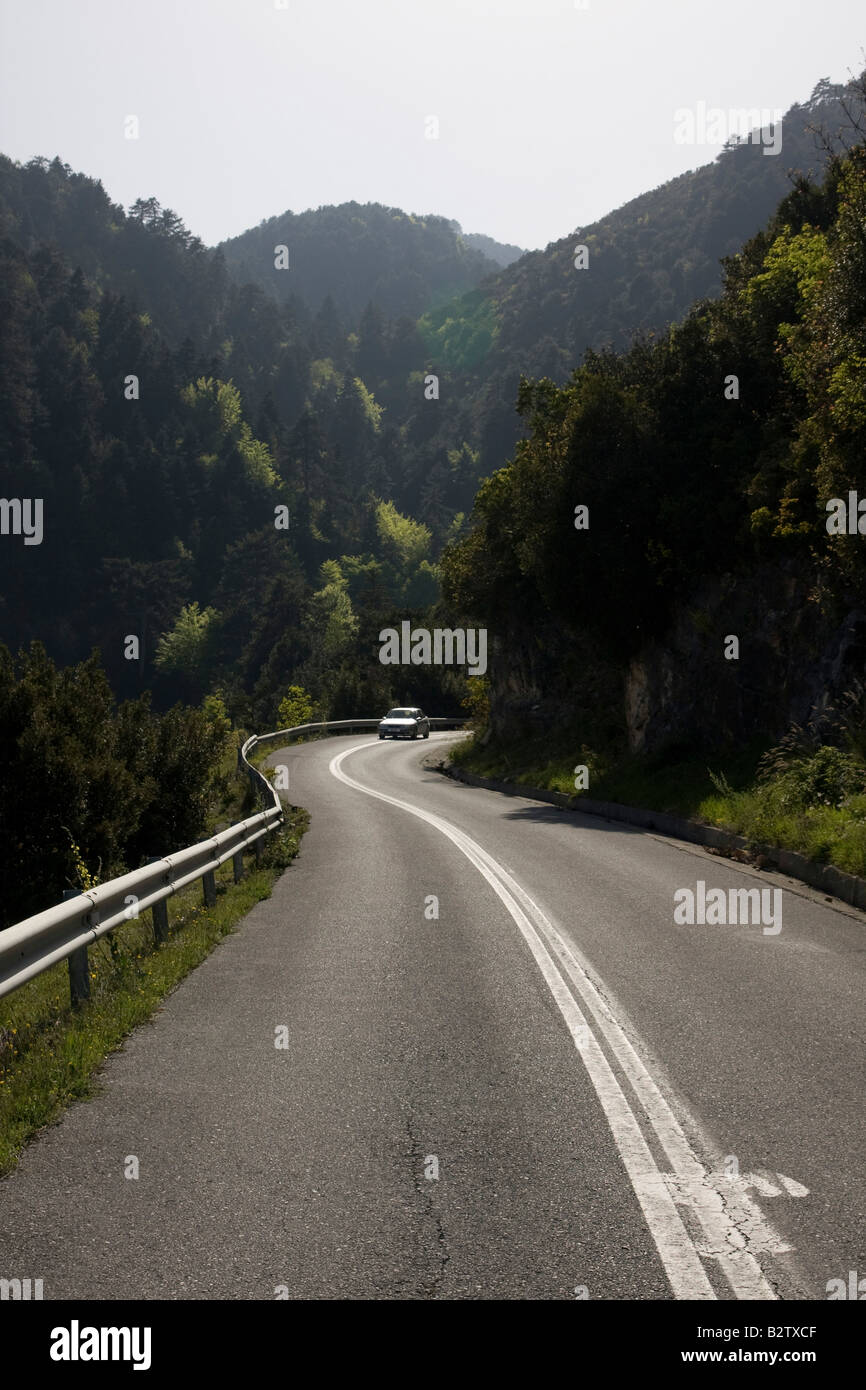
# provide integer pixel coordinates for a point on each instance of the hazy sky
(549, 114)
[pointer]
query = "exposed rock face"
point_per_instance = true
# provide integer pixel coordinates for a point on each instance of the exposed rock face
(793, 660)
(515, 692)
(550, 680)
(795, 657)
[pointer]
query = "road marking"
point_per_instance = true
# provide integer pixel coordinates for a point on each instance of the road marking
(765, 1183)
(734, 1228)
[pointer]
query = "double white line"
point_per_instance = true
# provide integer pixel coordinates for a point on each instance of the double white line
(727, 1227)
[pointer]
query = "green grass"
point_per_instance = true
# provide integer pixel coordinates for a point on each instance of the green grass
(680, 783)
(827, 824)
(233, 798)
(826, 834)
(534, 761)
(49, 1052)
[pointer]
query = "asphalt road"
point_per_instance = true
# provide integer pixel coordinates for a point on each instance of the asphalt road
(549, 1090)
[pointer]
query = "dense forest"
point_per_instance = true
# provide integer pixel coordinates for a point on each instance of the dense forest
(70, 755)
(686, 492)
(503, 253)
(245, 473)
(241, 541)
(358, 253)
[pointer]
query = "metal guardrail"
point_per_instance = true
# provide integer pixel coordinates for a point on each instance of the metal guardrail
(342, 726)
(64, 932)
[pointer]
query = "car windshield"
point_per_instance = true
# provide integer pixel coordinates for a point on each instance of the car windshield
(401, 714)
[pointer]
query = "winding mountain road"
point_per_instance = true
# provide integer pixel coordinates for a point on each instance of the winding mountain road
(503, 1071)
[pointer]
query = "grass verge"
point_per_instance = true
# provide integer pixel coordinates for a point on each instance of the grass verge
(49, 1052)
(813, 804)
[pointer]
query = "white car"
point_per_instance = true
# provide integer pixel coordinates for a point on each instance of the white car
(407, 722)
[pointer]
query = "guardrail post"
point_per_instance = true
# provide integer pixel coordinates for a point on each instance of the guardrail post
(208, 883)
(79, 968)
(238, 865)
(159, 911)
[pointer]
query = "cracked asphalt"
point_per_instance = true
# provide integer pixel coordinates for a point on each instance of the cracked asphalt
(431, 1132)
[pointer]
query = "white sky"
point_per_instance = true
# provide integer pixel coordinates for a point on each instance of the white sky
(549, 115)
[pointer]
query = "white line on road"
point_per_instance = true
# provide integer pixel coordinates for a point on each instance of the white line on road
(734, 1228)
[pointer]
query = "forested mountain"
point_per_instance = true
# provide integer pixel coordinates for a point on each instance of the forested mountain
(503, 253)
(721, 468)
(228, 500)
(354, 304)
(646, 264)
(649, 260)
(165, 412)
(294, 366)
(147, 255)
(239, 551)
(356, 254)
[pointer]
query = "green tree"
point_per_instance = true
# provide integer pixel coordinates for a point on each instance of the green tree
(296, 708)
(186, 651)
